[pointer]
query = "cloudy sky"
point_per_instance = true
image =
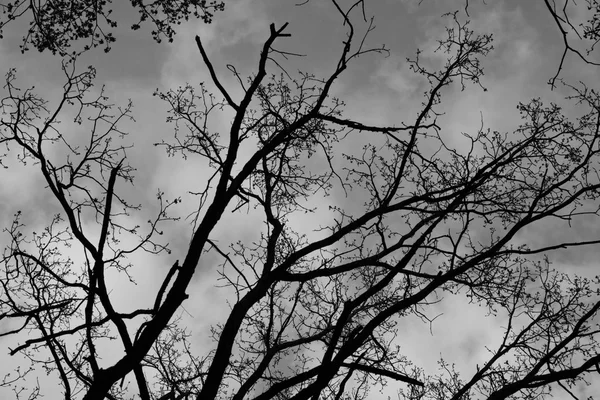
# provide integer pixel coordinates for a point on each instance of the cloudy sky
(377, 90)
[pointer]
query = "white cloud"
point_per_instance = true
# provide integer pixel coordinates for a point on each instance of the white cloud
(393, 73)
(242, 22)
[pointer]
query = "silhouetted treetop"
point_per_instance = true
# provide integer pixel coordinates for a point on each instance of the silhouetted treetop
(61, 26)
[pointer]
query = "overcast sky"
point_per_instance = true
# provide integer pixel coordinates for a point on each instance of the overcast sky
(378, 90)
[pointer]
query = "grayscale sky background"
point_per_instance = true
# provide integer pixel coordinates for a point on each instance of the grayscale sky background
(378, 90)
